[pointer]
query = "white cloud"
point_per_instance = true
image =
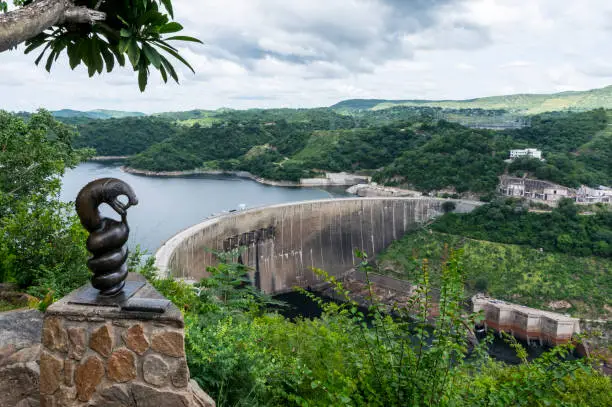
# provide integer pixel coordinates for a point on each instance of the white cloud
(302, 53)
(516, 64)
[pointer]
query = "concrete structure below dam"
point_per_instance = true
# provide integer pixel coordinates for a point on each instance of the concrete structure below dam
(526, 323)
(284, 242)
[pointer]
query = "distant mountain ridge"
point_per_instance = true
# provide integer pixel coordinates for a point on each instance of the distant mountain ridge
(95, 114)
(519, 103)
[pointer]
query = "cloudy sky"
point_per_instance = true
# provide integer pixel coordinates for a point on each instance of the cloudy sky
(306, 53)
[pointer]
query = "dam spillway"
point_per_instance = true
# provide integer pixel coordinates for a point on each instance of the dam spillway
(284, 242)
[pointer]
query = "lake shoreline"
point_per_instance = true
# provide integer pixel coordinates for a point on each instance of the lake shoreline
(330, 180)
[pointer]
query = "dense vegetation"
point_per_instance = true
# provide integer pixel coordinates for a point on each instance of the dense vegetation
(127, 136)
(452, 157)
(42, 244)
(507, 271)
(241, 354)
(509, 221)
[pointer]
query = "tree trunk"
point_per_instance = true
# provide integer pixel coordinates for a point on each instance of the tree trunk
(26, 22)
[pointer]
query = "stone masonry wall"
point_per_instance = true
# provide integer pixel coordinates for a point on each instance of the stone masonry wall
(103, 356)
(80, 356)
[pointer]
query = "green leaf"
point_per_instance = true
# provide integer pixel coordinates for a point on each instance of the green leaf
(170, 69)
(123, 45)
(50, 61)
(35, 43)
(171, 27)
(125, 33)
(118, 55)
(164, 76)
(133, 52)
(183, 38)
(168, 5)
(152, 55)
(142, 78)
(123, 20)
(37, 61)
(177, 56)
(73, 55)
(96, 57)
(109, 60)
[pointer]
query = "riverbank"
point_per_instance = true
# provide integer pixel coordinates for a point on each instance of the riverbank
(109, 158)
(330, 179)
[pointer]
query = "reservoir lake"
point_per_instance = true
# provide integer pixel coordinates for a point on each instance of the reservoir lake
(168, 205)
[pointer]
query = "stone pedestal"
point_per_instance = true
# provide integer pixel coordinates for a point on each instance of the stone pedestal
(105, 356)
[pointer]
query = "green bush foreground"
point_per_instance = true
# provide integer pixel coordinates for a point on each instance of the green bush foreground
(243, 355)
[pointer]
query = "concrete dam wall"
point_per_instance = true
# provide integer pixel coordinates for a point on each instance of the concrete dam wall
(283, 242)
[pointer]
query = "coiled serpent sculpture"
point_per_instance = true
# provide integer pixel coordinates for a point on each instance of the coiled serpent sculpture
(107, 237)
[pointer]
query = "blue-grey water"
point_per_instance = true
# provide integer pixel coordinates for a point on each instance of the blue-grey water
(169, 205)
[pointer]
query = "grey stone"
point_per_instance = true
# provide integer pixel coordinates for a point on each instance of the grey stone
(172, 317)
(18, 382)
(69, 369)
(139, 395)
(155, 370)
(20, 328)
(78, 341)
(31, 354)
(180, 377)
(200, 398)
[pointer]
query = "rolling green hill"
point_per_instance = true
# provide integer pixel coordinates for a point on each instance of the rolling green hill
(95, 114)
(520, 103)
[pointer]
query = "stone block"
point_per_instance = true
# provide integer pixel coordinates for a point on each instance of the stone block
(18, 381)
(53, 335)
(88, 375)
(102, 340)
(69, 368)
(136, 340)
(50, 373)
(155, 370)
(78, 344)
(180, 377)
(122, 366)
(169, 343)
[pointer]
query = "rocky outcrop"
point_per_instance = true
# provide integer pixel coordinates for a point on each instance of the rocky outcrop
(19, 354)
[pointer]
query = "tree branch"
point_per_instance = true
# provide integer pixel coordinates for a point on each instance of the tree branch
(26, 22)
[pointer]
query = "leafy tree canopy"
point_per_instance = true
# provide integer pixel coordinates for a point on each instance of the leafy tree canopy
(98, 34)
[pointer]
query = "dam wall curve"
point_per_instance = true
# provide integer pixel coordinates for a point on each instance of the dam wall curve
(285, 241)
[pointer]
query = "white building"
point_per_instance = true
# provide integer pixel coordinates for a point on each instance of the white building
(527, 152)
(588, 195)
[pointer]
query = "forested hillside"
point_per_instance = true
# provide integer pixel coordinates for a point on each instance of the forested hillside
(126, 136)
(403, 146)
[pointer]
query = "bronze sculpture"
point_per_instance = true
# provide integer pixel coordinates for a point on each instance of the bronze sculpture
(107, 236)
